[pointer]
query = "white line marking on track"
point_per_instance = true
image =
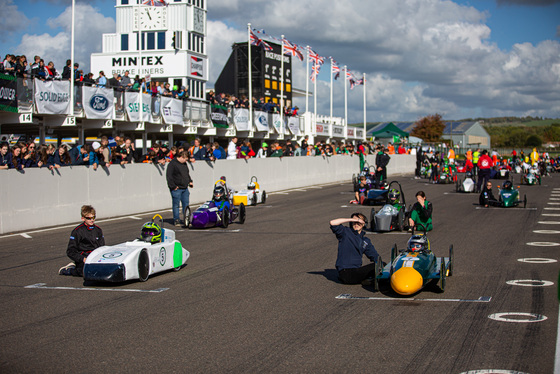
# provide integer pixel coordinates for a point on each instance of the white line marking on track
(530, 283)
(543, 244)
(550, 222)
(134, 217)
(26, 236)
(532, 317)
(550, 215)
(553, 198)
(45, 287)
(492, 371)
(537, 260)
(316, 187)
(347, 296)
(498, 208)
(546, 231)
(553, 203)
(557, 355)
(547, 208)
(278, 193)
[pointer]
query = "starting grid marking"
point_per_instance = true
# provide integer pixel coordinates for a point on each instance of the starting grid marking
(347, 296)
(43, 286)
(512, 208)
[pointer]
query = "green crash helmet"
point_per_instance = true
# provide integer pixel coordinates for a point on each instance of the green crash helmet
(151, 232)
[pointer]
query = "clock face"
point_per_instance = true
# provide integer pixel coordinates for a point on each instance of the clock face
(198, 20)
(153, 18)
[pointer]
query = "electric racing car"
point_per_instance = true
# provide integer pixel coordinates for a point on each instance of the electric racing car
(252, 195)
(509, 196)
(413, 268)
(393, 215)
(467, 185)
(532, 177)
(219, 211)
(156, 251)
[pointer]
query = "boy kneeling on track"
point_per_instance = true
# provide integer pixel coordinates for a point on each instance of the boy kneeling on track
(83, 240)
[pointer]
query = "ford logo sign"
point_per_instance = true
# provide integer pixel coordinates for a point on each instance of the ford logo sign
(99, 103)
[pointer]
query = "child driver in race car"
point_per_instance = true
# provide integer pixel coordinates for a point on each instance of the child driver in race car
(352, 245)
(83, 240)
(360, 191)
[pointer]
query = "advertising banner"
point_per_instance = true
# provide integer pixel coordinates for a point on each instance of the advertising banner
(133, 104)
(261, 121)
(241, 119)
(338, 131)
(172, 110)
(52, 97)
(277, 123)
(98, 102)
(293, 125)
(8, 93)
(322, 129)
(219, 116)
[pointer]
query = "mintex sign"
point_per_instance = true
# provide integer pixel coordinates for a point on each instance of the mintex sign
(155, 64)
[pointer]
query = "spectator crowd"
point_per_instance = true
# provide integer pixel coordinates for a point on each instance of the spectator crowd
(121, 150)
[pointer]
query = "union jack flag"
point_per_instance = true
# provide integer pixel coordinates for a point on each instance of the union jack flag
(335, 70)
(259, 42)
(314, 72)
(354, 83)
(314, 56)
(291, 49)
(154, 2)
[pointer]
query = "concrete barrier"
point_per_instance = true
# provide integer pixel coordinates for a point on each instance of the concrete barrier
(43, 198)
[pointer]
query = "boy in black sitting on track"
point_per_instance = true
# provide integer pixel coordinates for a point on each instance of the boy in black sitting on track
(83, 240)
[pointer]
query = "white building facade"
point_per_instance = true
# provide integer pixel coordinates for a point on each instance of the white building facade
(163, 43)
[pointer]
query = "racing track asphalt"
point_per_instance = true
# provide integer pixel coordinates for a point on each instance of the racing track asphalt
(261, 297)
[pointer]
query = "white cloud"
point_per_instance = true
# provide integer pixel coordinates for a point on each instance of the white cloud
(421, 56)
(11, 19)
(90, 24)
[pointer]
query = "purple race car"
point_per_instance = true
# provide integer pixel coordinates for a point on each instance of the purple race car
(213, 213)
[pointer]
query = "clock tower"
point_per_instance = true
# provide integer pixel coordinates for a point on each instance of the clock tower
(160, 43)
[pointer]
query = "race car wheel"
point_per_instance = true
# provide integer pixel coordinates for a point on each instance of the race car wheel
(264, 197)
(143, 265)
(524, 201)
(372, 219)
(225, 218)
(450, 266)
(400, 220)
(187, 216)
(242, 213)
(442, 274)
(254, 200)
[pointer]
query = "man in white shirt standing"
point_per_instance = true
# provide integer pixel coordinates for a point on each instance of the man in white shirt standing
(232, 149)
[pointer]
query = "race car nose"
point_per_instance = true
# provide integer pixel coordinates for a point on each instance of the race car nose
(406, 281)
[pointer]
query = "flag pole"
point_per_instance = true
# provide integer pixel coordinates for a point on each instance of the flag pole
(282, 87)
(331, 119)
(364, 80)
(249, 70)
(307, 82)
(140, 106)
(72, 74)
(345, 97)
(315, 94)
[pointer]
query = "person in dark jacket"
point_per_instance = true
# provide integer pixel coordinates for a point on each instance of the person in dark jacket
(83, 240)
(79, 155)
(486, 197)
(352, 245)
(381, 161)
(179, 181)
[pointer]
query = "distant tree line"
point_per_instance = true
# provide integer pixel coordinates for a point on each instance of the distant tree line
(523, 136)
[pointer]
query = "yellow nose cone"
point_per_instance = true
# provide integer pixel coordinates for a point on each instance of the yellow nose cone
(406, 281)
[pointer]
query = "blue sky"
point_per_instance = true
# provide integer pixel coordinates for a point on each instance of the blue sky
(412, 54)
